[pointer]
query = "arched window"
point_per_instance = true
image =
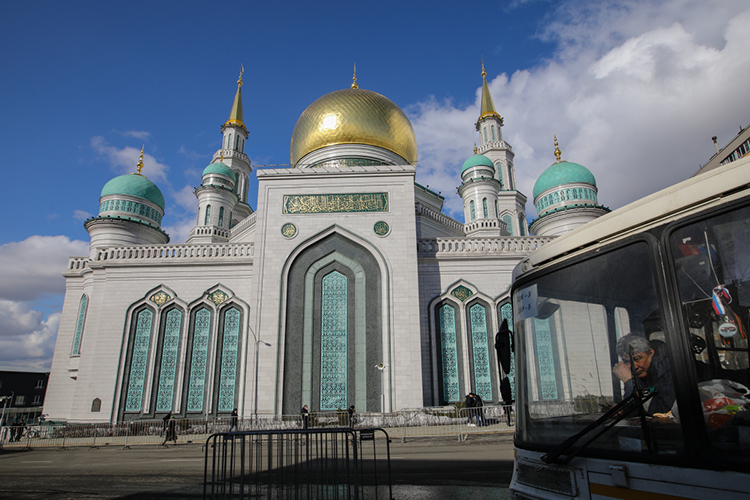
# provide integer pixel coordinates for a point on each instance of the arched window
(230, 347)
(333, 343)
(485, 134)
(229, 142)
(473, 211)
(449, 354)
(484, 207)
(480, 351)
(493, 132)
(196, 384)
(237, 143)
(496, 210)
(141, 340)
(78, 337)
(96, 405)
(221, 216)
(208, 215)
(522, 225)
(509, 223)
(169, 360)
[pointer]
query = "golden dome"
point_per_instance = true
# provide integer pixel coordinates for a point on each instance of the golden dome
(354, 116)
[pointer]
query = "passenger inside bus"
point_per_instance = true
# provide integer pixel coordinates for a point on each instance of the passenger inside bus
(651, 367)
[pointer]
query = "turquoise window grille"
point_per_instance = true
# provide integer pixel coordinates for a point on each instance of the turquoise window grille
(545, 359)
(168, 367)
(199, 361)
(208, 215)
(485, 134)
(481, 352)
(509, 223)
(449, 353)
(506, 312)
(229, 352)
(484, 207)
(82, 308)
(139, 360)
(493, 132)
(221, 216)
(333, 342)
(473, 211)
(522, 225)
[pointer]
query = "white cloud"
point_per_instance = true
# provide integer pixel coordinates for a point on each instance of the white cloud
(138, 134)
(31, 269)
(27, 338)
(631, 94)
(81, 215)
(124, 160)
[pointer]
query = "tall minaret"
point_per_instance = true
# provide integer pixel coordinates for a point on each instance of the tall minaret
(233, 153)
(511, 204)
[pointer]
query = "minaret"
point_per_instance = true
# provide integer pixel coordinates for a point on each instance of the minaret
(511, 203)
(217, 201)
(233, 153)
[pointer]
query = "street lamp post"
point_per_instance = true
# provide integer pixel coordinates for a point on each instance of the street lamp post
(5, 400)
(257, 351)
(382, 367)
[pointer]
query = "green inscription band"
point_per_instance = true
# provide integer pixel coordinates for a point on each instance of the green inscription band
(335, 203)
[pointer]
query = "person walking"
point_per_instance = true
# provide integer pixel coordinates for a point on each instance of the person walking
(304, 413)
(479, 408)
(350, 411)
(234, 420)
(469, 403)
(171, 434)
(165, 421)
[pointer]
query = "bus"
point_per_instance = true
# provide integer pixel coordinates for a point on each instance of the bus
(630, 339)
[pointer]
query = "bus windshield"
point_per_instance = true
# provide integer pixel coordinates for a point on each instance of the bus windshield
(588, 335)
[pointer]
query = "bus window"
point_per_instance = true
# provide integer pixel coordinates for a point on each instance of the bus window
(578, 328)
(711, 260)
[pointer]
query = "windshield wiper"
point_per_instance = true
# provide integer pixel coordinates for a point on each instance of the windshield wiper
(620, 411)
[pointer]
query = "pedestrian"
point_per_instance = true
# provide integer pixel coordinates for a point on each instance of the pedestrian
(479, 408)
(469, 403)
(15, 432)
(165, 421)
(350, 411)
(171, 434)
(235, 419)
(305, 417)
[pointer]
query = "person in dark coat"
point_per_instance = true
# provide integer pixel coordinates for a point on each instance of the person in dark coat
(469, 403)
(304, 413)
(171, 434)
(350, 411)
(651, 366)
(479, 409)
(165, 421)
(234, 420)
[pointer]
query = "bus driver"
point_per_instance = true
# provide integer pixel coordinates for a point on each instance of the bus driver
(651, 369)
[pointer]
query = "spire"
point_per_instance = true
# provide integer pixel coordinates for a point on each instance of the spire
(558, 153)
(139, 166)
(354, 80)
(235, 116)
(488, 107)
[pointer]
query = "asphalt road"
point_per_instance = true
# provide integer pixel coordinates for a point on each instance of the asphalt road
(479, 468)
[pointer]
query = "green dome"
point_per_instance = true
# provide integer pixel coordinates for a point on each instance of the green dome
(134, 185)
(477, 160)
(220, 168)
(564, 172)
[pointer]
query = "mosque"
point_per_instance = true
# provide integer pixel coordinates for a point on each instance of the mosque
(346, 285)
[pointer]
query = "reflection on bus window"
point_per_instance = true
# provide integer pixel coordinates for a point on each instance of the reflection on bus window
(580, 326)
(712, 265)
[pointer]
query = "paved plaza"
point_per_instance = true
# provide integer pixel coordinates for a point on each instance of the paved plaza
(425, 468)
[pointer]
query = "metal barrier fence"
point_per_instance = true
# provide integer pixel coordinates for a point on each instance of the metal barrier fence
(403, 424)
(309, 464)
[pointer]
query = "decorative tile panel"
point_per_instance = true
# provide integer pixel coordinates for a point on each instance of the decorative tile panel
(229, 351)
(462, 293)
(335, 203)
(481, 352)
(139, 360)
(449, 354)
(218, 297)
(545, 359)
(196, 387)
(82, 308)
(333, 342)
(168, 370)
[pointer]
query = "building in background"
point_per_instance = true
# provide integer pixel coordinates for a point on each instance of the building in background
(22, 396)
(346, 285)
(735, 149)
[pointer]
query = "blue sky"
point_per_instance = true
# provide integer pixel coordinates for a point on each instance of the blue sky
(634, 90)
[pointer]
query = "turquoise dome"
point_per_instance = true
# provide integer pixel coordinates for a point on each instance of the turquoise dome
(477, 160)
(134, 185)
(221, 169)
(564, 172)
